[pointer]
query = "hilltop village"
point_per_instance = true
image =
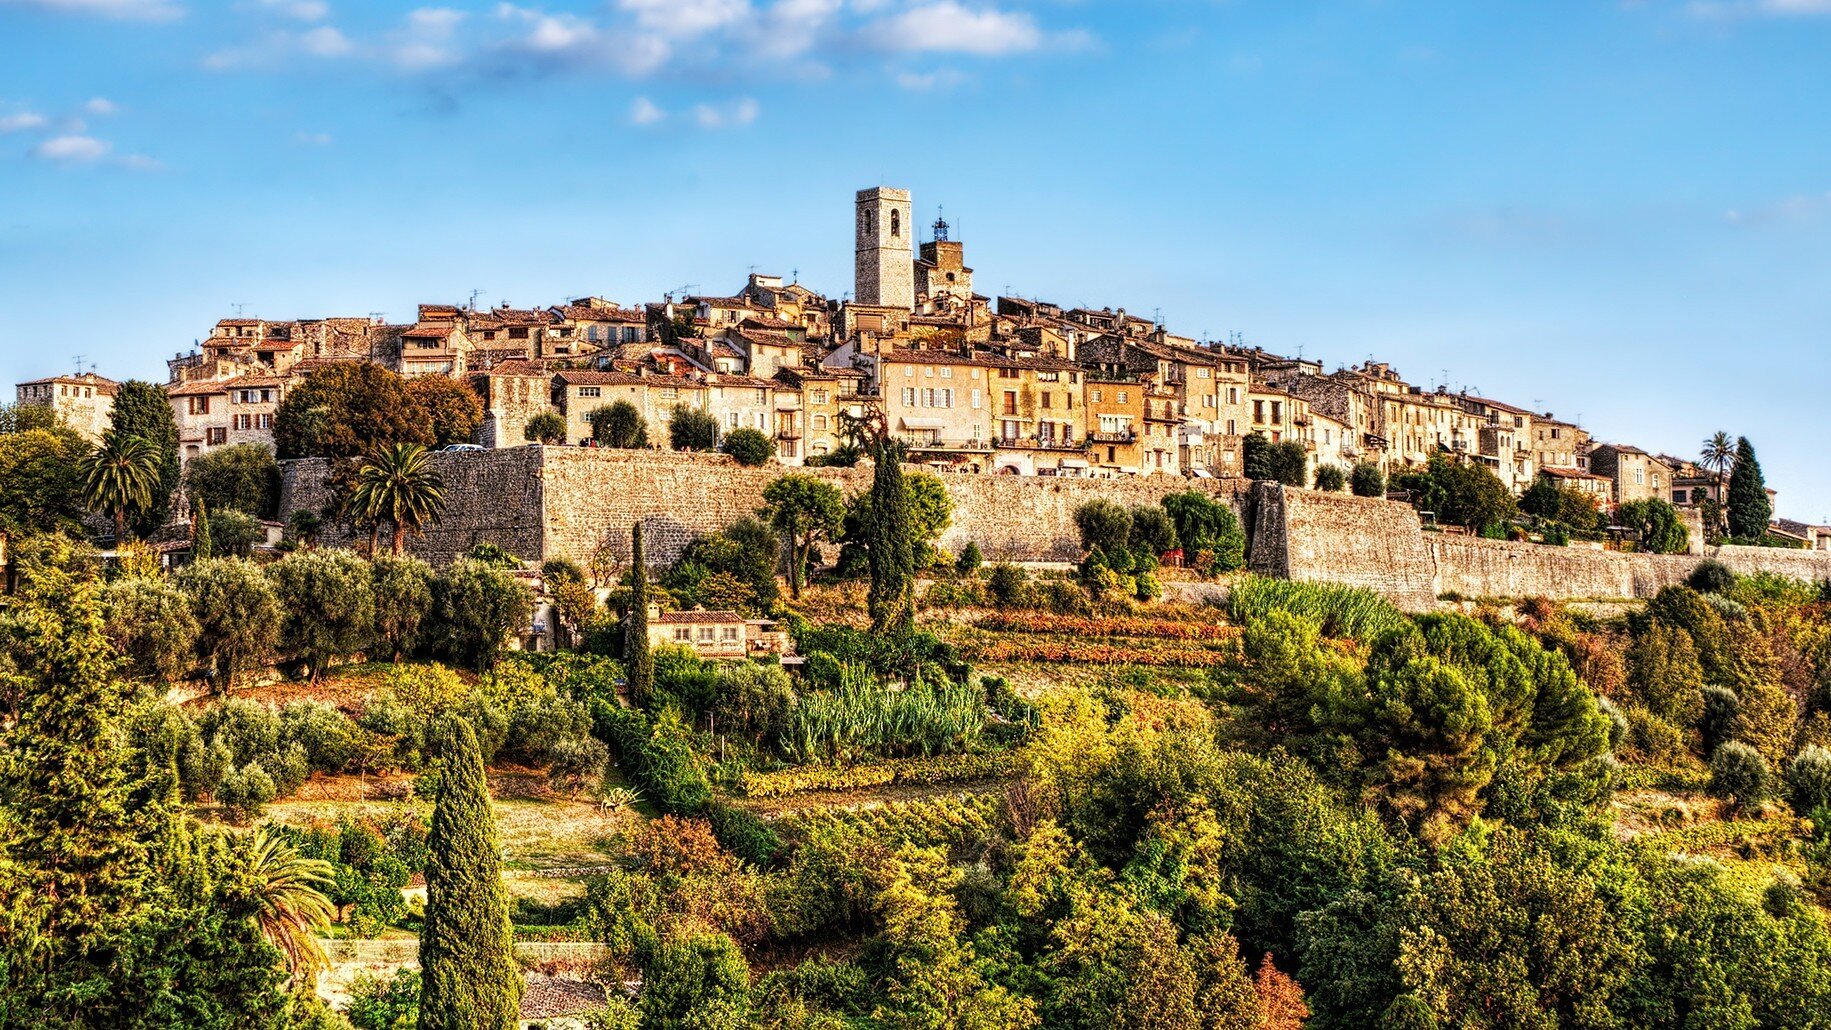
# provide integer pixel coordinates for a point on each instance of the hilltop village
(1011, 386)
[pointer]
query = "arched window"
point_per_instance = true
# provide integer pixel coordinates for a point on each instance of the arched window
(896, 222)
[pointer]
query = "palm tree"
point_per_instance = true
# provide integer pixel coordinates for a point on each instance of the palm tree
(1719, 453)
(120, 476)
(398, 484)
(289, 900)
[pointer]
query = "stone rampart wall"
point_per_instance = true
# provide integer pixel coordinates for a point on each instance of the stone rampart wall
(1474, 567)
(1339, 538)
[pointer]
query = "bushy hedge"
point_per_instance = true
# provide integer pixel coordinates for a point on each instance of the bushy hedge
(938, 769)
(659, 754)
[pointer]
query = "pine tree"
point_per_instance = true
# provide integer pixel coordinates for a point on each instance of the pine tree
(469, 980)
(636, 654)
(1749, 507)
(891, 548)
(67, 834)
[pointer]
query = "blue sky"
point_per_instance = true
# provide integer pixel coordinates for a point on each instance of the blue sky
(1615, 210)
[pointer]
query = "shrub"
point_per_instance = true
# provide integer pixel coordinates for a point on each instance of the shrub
(1367, 480)
(1740, 774)
(478, 607)
(658, 754)
(548, 427)
(1661, 530)
(150, 623)
(749, 447)
(619, 425)
(1104, 526)
(1330, 478)
(1153, 532)
(327, 601)
(245, 791)
(1007, 585)
(377, 1004)
(561, 570)
(1711, 577)
(970, 559)
(1205, 525)
(745, 835)
(690, 429)
(1337, 610)
(241, 477)
(1808, 778)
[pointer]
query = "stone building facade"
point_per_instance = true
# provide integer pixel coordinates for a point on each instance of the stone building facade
(84, 402)
(885, 259)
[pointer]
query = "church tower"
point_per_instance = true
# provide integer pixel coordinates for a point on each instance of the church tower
(885, 271)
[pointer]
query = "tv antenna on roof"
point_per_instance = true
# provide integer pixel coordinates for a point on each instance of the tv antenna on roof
(238, 309)
(794, 275)
(474, 294)
(78, 359)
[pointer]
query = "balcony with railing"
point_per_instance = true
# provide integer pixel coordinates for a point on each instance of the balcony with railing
(1041, 443)
(1114, 436)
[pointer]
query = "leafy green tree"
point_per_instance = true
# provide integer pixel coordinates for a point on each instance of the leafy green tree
(1469, 494)
(545, 428)
(1808, 778)
(233, 533)
(453, 409)
(1665, 675)
(969, 561)
(399, 485)
(890, 543)
(238, 616)
(469, 979)
(692, 429)
(1205, 525)
(1103, 525)
(1740, 774)
(696, 979)
(41, 480)
(141, 409)
(1750, 509)
(619, 424)
(23, 418)
(478, 609)
(150, 622)
(241, 477)
(733, 569)
(1153, 532)
(805, 510)
(1367, 480)
(1284, 462)
(402, 588)
(1331, 479)
(348, 409)
(1661, 530)
(637, 657)
(749, 447)
(120, 477)
(327, 601)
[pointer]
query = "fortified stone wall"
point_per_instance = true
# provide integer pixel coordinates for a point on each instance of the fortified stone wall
(544, 502)
(1338, 538)
(1474, 567)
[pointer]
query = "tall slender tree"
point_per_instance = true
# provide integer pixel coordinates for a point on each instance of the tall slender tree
(468, 979)
(398, 484)
(636, 654)
(120, 477)
(890, 550)
(1719, 455)
(202, 545)
(141, 409)
(1749, 506)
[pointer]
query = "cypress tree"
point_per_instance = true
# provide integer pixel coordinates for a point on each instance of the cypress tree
(201, 545)
(891, 548)
(1749, 507)
(636, 654)
(468, 978)
(141, 409)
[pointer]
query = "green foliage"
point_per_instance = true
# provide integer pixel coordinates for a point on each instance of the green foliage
(327, 604)
(1665, 676)
(1658, 523)
(1367, 480)
(476, 609)
(636, 656)
(402, 589)
(1808, 779)
(619, 424)
(1204, 525)
(41, 485)
(241, 477)
(1750, 509)
(121, 477)
(696, 980)
(150, 622)
(1461, 493)
(862, 716)
(658, 754)
(238, 616)
(1740, 774)
(970, 559)
(1153, 532)
(398, 485)
(348, 409)
(1336, 610)
(692, 429)
(1331, 478)
(469, 980)
(749, 447)
(804, 510)
(548, 427)
(233, 533)
(391, 1004)
(453, 409)
(1264, 460)
(1104, 526)
(1008, 585)
(141, 409)
(1711, 577)
(1564, 507)
(889, 538)
(734, 569)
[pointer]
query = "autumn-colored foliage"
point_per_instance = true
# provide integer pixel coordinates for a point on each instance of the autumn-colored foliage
(1281, 1004)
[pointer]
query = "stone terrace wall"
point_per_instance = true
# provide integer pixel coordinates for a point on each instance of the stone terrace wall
(1473, 567)
(593, 496)
(492, 496)
(543, 502)
(1338, 538)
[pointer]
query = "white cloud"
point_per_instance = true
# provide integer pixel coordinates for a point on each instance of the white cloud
(434, 22)
(738, 113)
(72, 150)
(1797, 6)
(141, 163)
(325, 41)
(101, 106)
(21, 122)
(125, 10)
(312, 139)
(686, 17)
(1800, 209)
(948, 26)
(644, 111)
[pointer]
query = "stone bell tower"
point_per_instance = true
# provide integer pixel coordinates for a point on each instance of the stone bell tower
(885, 271)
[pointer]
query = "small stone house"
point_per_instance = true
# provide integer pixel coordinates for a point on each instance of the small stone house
(84, 402)
(1635, 474)
(721, 634)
